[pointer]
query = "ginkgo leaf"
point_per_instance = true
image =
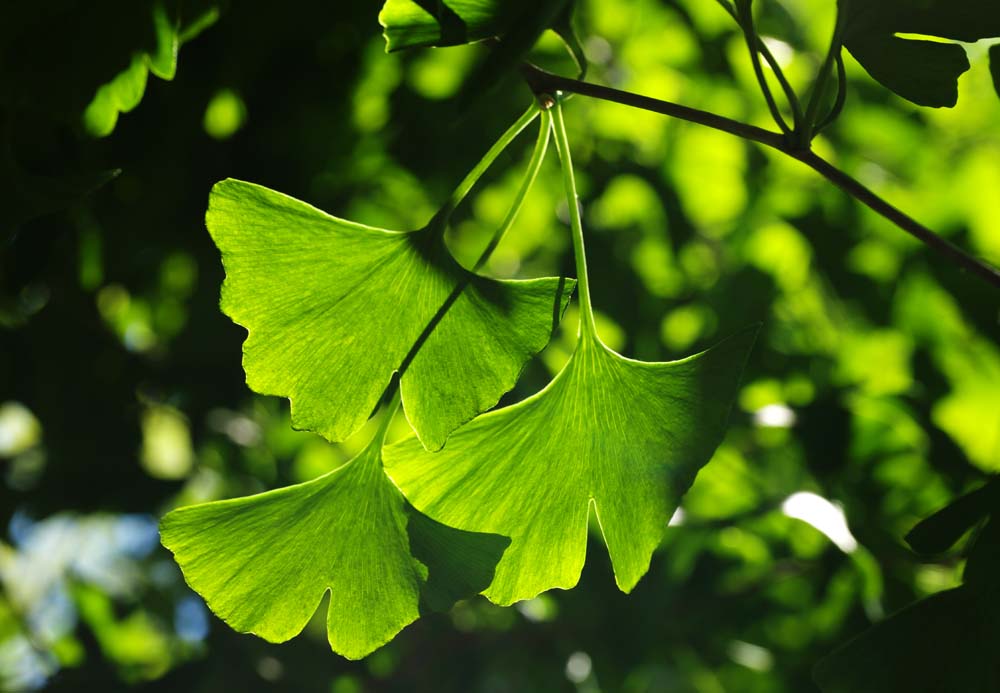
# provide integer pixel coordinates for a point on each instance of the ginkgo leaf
(888, 39)
(333, 308)
(412, 24)
(624, 437)
(263, 563)
(518, 24)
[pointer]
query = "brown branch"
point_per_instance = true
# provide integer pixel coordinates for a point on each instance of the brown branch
(542, 82)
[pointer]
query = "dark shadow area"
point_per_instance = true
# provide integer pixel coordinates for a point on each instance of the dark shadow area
(430, 244)
(454, 30)
(948, 641)
(460, 564)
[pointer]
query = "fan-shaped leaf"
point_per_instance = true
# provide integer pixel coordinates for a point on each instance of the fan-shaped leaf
(263, 563)
(923, 71)
(623, 436)
(333, 308)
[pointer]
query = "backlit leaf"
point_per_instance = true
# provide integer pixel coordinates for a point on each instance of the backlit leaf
(624, 437)
(333, 308)
(263, 563)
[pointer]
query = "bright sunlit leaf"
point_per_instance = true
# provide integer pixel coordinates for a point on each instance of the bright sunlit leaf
(624, 437)
(263, 563)
(333, 308)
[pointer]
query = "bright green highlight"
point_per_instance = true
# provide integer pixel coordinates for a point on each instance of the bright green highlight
(224, 115)
(623, 436)
(333, 308)
(263, 563)
(407, 24)
(125, 90)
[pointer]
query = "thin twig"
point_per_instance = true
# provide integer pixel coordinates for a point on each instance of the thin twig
(745, 19)
(907, 223)
(790, 95)
(542, 82)
(838, 104)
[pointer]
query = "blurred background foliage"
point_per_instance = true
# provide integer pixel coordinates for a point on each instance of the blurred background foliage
(871, 400)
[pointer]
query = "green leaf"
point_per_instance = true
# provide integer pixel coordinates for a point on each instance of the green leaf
(946, 642)
(125, 90)
(421, 23)
(263, 563)
(333, 308)
(624, 437)
(923, 71)
(517, 25)
(937, 533)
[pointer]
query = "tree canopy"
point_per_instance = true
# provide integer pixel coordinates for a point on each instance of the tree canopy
(753, 422)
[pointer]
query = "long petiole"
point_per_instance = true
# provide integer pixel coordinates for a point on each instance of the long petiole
(838, 104)
(547, 83)
(811, 124)
(786, 87)
(587, 327)
(463, 188)
(534, 165)
(745, 19)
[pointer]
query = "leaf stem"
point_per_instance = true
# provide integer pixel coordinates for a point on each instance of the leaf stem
(753, 41)
(462, 190)
(587, 325)
(388, 414)
(534, 165)
(809, 126)
(786, 87)
(838, 104)
(790, 95)
(543, 82)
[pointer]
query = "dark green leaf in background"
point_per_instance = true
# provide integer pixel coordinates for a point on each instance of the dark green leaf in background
(946, 642)
(923, 71)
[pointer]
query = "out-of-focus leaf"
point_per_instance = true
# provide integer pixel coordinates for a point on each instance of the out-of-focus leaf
(938, 532)
(58, 59)
(333, 308)
(264, 562)
(517, 25)
(624, 437)
(944, 643)
(887, 38)
(947, 642)
(125, 90)
(417, 23)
